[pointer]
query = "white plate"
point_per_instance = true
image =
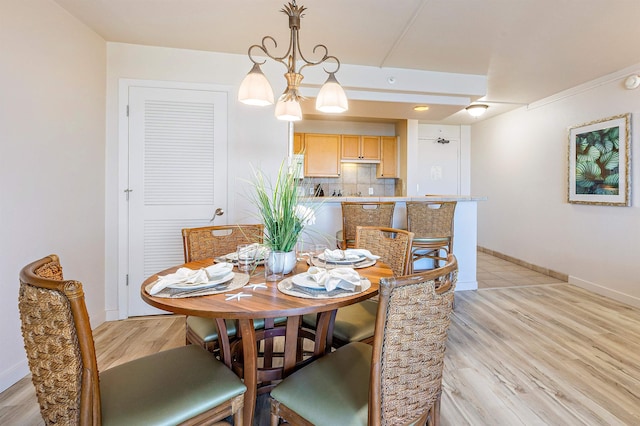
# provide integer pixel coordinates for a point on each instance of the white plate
(233, 257)
(305, 280)
(360, 258)
(211, 283)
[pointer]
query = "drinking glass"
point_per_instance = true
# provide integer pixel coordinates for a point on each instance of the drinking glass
(273, 265)
(317, 250)
(247, 257)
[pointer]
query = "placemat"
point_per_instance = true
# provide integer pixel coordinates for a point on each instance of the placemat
(239, 280)
(287, 286)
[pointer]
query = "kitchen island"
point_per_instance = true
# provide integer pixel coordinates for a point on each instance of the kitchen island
(329, 220)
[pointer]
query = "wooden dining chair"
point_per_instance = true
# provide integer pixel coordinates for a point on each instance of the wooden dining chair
(209, 242)
(432, 224)
(356, 214)
(356, 323)
(185, 385)
(397, 380)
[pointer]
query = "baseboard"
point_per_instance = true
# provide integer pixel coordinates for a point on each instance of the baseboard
(466, 285)
(112, 315)
(13, 374)
(546, 271)
(607, 292)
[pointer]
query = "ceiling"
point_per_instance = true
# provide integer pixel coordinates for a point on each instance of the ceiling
(527, 49)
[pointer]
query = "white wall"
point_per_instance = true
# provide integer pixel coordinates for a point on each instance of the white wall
(519, 160)
(255, 137)
(52, 124)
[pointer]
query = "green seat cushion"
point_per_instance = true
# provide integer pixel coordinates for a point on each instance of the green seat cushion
(166, 388)
(207, 330)
(353, 323)
(430, 240)
(334, 390)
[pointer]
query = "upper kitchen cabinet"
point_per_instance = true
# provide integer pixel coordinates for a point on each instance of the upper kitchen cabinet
(298, 143)
(388, 167)
(356, 148)
(321, 155)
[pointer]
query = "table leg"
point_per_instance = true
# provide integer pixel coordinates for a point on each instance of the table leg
(290, 345)
(250, 366)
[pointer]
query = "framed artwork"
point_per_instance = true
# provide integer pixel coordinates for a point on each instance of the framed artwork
(599, 162)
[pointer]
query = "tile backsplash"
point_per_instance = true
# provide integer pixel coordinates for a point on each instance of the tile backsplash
(355, 180)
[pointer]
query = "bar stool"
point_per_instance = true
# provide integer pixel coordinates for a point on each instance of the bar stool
(432, 224)
(370, 213)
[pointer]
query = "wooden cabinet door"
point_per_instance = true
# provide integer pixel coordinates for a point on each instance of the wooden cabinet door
(350, 147)
(298, 143)
(321, 155)
(388, 167)
(357, 148)
(370, 148)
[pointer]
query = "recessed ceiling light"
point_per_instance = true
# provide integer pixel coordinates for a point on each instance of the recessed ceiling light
(420, 108)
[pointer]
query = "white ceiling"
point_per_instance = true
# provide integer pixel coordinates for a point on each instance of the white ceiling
(527, 49)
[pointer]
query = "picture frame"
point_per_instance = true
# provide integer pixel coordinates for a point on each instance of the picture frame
(600, 162)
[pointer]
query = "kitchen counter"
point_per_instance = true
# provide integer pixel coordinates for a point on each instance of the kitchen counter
(352, 198)
(329, 220)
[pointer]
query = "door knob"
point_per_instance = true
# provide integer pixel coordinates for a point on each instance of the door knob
(218, 212)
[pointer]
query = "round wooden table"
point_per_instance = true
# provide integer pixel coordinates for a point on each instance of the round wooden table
(265, 304)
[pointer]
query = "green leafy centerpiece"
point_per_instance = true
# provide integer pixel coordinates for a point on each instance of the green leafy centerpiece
(283, 217)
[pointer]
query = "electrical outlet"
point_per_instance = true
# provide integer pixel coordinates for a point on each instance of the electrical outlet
(370, 191)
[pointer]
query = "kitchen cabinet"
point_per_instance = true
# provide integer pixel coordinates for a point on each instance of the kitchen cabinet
(356, 148)
(321, 155)
(388, 167)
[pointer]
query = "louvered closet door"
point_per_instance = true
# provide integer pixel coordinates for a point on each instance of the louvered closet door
(177, 176)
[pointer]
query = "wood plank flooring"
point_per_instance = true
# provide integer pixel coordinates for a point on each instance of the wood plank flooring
(523, 352)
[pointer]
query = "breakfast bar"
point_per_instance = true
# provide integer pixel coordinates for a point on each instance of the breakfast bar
(329, 220)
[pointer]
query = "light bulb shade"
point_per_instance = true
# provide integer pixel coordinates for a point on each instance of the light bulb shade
(255, 88)
(288, 110)
(331, 97)
(476, 110)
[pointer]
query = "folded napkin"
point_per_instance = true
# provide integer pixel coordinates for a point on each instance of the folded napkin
(186, 276)
(345, 278)
(348, 254)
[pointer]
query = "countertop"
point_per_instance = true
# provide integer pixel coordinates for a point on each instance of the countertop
(396, 199)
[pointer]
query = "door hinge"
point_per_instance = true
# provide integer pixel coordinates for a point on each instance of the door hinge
(127, 110)
(127, 280)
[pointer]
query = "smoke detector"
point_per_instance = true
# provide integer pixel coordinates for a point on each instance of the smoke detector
(632, 82)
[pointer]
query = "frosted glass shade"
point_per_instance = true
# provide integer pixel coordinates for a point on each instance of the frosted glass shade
(288, 110)
(331, 97)
(476, 110)
(255, 88)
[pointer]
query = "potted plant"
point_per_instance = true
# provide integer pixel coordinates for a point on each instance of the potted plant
(283, 217)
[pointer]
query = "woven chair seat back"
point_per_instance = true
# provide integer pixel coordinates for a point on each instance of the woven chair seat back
(365, 214)
(52, 344)
(392, 245)
(213, 241)
(430, 219)
(415, 320)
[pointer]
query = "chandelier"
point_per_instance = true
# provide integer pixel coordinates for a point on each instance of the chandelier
(256, 90)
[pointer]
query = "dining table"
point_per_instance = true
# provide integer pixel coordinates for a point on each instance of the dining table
(263, 300)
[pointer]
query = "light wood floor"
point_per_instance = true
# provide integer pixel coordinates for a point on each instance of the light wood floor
(520, 352)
